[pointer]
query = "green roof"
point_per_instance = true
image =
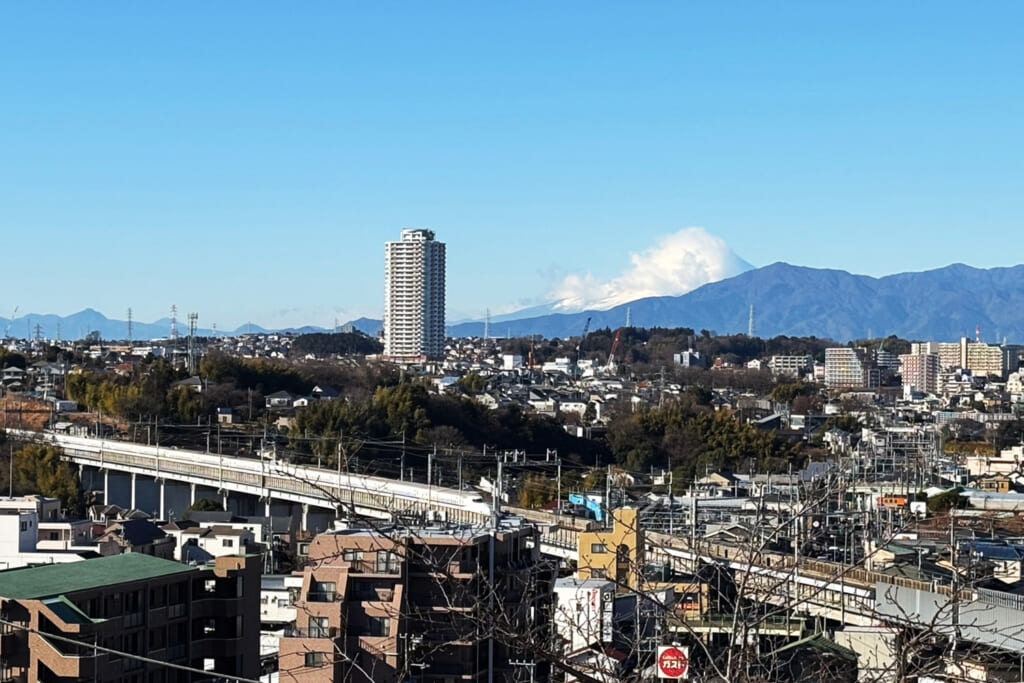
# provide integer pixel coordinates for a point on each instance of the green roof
(57, 579)
(66, 610)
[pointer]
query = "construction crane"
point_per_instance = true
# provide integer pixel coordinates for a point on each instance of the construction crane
(579, 347)
(615, 347)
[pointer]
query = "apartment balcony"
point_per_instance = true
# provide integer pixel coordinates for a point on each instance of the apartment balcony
(391, 568)
(324, 596)
(329, 632)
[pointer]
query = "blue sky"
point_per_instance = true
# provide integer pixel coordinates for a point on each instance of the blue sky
(248, 160)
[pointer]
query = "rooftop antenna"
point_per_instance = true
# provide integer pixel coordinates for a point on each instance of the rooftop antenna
(487, 324)
(129, 325)
(750, 322)
(977, 334)
(174, 323)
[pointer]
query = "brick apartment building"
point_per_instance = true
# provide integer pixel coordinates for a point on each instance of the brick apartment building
(398, 604)
(200, 617)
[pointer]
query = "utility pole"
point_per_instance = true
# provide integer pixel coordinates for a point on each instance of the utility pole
(430, 465)
(608, 498)
(401, 467)
(192, 319)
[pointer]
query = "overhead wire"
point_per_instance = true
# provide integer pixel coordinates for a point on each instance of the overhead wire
(127, 655)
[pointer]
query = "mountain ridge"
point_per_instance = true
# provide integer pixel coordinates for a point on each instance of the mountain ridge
(938, 304)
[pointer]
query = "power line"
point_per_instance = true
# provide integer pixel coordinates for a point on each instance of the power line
(127, 655)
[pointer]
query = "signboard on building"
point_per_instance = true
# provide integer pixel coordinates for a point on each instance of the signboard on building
(673, 662)
(607, 616)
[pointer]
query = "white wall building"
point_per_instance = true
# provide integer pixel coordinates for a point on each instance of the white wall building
(584, 612)
(414, 297)
(843, 369)
(790, 366)
(277, 598)
(19, 534)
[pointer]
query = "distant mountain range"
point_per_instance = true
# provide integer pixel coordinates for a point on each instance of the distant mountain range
(941, 304)
(78, 325)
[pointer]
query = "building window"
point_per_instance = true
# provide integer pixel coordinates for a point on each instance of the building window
(352, 555)
(318, 627)
(379, 626)
(228, 542)
(387, 562)
(599, 573)
(598, 548)
(314, 659)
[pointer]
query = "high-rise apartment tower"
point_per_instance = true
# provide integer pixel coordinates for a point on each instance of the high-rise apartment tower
(414, 297)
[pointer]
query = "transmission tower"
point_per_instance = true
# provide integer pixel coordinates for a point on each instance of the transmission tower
(487, 324)
(129, 325)
(174, 323)
(39, 332)
(58, 332)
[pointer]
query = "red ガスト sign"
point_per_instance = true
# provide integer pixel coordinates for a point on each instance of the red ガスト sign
(672, 662)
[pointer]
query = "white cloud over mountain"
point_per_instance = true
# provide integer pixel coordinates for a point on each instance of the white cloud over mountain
(675, 264)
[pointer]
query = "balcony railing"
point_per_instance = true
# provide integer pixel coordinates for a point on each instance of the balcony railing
(392, 567)
(133, 619)
(323, 596)
(325, 632)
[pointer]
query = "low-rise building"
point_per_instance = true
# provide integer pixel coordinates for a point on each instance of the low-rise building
(142, 610)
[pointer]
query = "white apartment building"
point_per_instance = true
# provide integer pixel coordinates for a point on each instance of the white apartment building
(843, 369)
(979, 358)
(985, 359)
(414, 297)
(790, 366)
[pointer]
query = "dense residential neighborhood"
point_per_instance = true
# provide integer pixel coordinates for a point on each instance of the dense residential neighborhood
(884, 467)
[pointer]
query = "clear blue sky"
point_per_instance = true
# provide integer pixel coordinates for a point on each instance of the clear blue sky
(248, 160)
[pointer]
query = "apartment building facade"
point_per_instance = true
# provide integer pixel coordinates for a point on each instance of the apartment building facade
(921, 372)
(844, 369)
(414, 297)
(977, 357)
(142, 610)
(790, 366)
(398, 604)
